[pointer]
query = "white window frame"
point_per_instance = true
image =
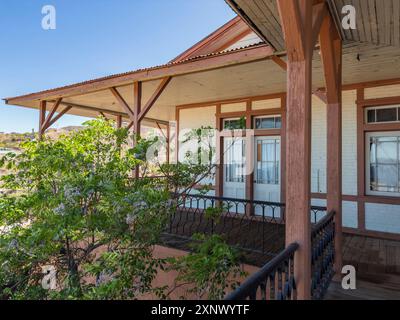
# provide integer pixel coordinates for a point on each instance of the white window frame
(368, 136)
(274, 116)
(397, 107)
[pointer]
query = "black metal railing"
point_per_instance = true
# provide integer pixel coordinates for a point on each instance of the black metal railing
(274, 281)
(322, 255)
(249, 225)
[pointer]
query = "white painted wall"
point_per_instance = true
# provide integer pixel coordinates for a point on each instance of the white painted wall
(382, 217)
(379, 217)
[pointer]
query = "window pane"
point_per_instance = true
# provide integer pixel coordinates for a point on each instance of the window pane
(268, 123)
(233, 124)
(383, 115)
(268, 152)
(387, 178)
(234, 163)
(371, 116)
(278, 123)
(386, 150)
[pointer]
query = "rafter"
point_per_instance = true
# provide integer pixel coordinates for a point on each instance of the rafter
(125, 106)
(164, 83)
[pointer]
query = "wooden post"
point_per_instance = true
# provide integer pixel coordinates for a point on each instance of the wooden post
(168, 136)
(42, 118)
(331, 52)
(137, 108)
(249, 181)
(296, 18)
(219, 169)
(119, 122)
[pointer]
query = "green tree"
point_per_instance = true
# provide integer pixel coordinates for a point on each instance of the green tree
(75, 207)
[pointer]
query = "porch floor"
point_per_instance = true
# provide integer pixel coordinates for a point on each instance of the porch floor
(377, 262)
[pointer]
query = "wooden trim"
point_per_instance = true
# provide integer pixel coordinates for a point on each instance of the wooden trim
(379, 102)
(381, 127)
(211, 38)
(372, 234)
(233, 100)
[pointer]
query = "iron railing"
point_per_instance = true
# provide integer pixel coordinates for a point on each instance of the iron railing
(274, 281)
(322, 255)
(251, 225)
(262, 231)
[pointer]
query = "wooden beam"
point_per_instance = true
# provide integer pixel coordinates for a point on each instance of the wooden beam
(129, 126)
(161, 131)
(42, 118)
(108, 111)
(103, 115)
(280, 62)
(164, 83)
(320, 11)
(125, 106)
(321, 95)
(64, 111)
(329, 56)
(293, 29)
(51, 114)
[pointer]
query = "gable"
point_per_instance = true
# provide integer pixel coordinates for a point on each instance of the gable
(245, 41)
(234, 34)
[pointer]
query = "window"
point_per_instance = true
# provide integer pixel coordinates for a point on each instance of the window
(383, 167)
(270, 122)
(383, 114)
(234, 124)
(235, 159)
(268, 161)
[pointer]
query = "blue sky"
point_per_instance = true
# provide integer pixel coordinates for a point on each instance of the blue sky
(93, 38)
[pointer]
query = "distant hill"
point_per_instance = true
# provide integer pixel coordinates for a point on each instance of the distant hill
(13, 140)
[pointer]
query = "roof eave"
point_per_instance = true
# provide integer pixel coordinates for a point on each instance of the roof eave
(193, 65)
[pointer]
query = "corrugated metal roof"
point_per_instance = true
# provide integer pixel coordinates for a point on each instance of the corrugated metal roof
(142, 69)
